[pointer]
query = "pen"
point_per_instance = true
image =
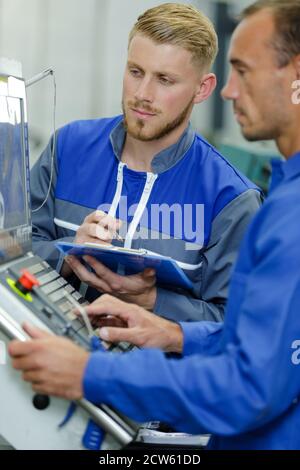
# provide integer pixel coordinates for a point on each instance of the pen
(114, 234)
(117, 236)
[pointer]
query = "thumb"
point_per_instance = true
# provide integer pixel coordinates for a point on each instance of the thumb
(149, 272)
(34, 332)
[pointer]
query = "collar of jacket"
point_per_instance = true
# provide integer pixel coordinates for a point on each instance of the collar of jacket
(165, 159)
(284, 170)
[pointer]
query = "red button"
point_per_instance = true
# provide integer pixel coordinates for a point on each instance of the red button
(27, 280)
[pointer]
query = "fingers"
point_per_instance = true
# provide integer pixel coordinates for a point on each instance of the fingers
(136, 284)
(33, 376)
(26, 363)
(107, 281)
(98, 232)
(108, 320)
(45, 388)
(41, 385)
(21, 348)
(149, 273)
(101, 225)
(110, 223)
(148, 276)
(115, 335)
(113, 280)
(92, 233)
(86, 276)
(102, 218)
(108, 305)
(35, 332)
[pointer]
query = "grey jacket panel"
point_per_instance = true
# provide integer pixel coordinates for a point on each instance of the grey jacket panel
(218, 258)
(44, 231)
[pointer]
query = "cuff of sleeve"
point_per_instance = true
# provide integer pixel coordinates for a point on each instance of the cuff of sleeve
(97, 377)
(199, 337)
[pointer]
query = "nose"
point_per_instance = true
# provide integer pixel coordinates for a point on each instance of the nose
(230, 90)
(144, 90)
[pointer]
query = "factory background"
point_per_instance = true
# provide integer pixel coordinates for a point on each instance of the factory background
(86, 43)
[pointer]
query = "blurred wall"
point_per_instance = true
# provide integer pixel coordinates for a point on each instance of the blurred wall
(85, 41)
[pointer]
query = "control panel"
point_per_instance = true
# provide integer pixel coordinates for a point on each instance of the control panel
(52, 299)
(31, 291)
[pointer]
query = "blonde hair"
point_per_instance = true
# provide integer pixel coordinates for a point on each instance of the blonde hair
(180, 25)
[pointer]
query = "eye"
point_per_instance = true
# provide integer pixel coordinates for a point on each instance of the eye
(135, 72)
(165, 80)
(241, 72)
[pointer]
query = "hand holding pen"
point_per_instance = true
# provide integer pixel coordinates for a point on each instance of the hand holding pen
(98, 227)
(109, 226)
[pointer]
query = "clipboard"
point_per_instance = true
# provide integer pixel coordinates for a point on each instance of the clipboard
(131, 261)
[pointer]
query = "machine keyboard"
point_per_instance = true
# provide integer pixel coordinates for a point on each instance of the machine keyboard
(53, 305)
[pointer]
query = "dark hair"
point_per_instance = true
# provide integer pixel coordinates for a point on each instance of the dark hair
(286, 13)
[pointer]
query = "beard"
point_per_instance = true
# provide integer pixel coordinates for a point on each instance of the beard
(136, 128)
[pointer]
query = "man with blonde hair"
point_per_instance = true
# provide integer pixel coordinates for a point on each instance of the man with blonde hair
(174, 193)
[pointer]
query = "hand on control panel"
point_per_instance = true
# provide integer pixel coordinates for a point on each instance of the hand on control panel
(54, 365)
(143, 329)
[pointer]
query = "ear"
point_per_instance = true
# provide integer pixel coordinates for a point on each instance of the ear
(205, 88)
(297, 66)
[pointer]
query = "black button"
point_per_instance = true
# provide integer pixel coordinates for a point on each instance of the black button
(41, 402)
(47, 311)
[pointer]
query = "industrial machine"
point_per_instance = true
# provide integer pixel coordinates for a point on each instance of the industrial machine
(31, 291)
